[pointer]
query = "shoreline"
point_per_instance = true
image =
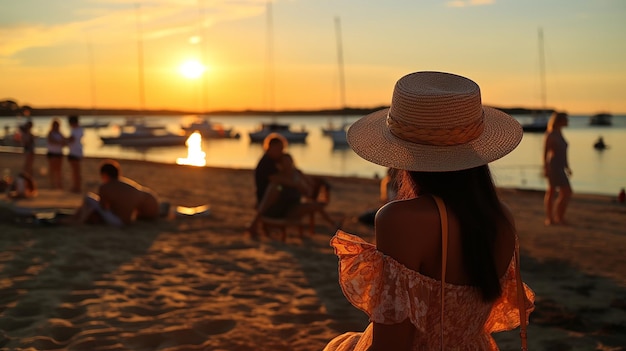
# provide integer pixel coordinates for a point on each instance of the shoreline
(201, 284)
(18, 150)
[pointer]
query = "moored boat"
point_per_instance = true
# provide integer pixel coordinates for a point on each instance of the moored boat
(145, 137)
(283, 129)
(210, 130)
(95, 124)
(339, 138)
(601, 119)
(537, 123)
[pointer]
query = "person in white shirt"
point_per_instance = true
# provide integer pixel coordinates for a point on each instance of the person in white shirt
(74, 142)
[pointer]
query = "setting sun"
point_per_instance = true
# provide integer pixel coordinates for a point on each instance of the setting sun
(192, 69)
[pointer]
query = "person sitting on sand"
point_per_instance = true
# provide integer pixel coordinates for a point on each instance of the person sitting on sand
(274, 144)
(119, 200)
(22, 187)
(283, 196)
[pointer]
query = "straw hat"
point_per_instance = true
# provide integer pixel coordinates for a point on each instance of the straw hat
(436, 123)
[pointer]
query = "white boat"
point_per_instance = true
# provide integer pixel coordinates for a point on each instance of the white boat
(142, 136)
(283, 129)
(210, 130)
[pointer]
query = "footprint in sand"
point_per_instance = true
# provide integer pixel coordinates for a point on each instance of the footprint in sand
(41, 343)
(80, 296)
(214, 327)
(9, 323)
(143, 311)
(25, 308)
(70, 311)
(61, 330)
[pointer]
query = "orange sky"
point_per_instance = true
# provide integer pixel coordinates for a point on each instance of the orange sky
(85, 53)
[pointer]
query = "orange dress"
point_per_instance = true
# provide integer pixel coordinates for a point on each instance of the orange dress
(389, 293)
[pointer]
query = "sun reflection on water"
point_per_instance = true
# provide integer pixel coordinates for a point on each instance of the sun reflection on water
(195, 155)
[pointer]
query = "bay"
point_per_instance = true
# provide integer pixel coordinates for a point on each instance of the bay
(594, 172)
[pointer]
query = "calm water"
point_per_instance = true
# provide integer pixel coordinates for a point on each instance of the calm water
(596, 172)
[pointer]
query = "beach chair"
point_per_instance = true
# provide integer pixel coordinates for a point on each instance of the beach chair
(316, 202)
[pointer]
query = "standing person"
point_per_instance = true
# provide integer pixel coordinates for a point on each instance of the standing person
(28, 143)
(55, 142)
(75, 144)
(443, 271)
(556, 169)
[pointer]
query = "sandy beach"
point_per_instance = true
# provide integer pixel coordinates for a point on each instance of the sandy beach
(201, 284)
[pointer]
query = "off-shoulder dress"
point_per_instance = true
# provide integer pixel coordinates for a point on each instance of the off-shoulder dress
(389, 293)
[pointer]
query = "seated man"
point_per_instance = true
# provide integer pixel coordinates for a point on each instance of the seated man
(119, 200)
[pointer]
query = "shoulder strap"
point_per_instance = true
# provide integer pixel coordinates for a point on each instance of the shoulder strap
(521, 298)
(443, 214)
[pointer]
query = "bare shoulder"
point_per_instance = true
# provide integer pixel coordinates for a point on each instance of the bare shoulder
(403, 227)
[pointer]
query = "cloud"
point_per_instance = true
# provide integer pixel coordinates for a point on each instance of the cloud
(109, 21)
(467, 3)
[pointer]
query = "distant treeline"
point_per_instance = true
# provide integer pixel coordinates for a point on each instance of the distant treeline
(11, 108)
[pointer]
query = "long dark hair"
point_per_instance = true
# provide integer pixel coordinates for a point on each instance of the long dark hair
(471, 195)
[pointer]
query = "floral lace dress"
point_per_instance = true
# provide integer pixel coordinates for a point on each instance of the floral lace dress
(389, 293)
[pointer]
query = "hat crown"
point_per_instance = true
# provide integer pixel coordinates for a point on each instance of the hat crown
(436, 108)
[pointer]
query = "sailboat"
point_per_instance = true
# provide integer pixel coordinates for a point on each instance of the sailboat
(135, 132)
(539, 121)
(202, 123)
(338, 135)
(283, 129)
(94, 123)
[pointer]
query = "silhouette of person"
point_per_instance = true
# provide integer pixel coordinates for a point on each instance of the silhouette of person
(556, 169)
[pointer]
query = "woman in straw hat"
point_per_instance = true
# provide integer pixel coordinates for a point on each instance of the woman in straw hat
(447, 225)
(556, 169)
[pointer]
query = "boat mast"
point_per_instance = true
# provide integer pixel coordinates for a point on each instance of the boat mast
(142, 98)
(92, 76)
(270, 55)
(542, 72)
(342, 80)
(203, 56)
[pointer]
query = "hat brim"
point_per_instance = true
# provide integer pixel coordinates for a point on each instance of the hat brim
(371, 139)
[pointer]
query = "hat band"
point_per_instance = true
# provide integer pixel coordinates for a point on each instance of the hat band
(435, 136)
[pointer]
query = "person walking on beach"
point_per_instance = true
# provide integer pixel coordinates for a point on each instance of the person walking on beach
(75, 144)
(55, 144)
(556, 169)
(443, 272)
